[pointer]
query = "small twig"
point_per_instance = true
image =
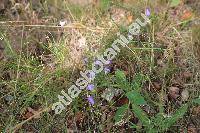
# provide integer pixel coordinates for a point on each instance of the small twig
(16, 127)
(73, 25)
(5, 22)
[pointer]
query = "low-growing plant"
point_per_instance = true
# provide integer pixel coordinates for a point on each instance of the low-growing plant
(157, 123)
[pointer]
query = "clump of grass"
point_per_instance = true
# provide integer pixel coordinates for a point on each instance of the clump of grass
(28, 80)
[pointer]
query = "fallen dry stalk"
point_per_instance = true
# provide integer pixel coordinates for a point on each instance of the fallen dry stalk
(73, 25)
(16, 127)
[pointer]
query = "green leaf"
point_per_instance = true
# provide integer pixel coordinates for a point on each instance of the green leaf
(120, 75)
(120, 113)
(158, 119)
(133, 126)
(137, 82)
(141, 115)
(136, 98)
(121, 80)
(104, 4)
(175, 3)
(168, 122)
(197, 101)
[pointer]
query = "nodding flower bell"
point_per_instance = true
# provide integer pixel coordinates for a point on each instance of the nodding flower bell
(106, 70)
(90, 100)
(90, 87)
(147, 12)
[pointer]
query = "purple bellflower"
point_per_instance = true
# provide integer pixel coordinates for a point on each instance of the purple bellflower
(106, 70)
(90, 100)
(90, 87)
(91, 75)
(147, 12)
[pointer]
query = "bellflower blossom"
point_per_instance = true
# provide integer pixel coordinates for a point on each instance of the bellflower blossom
(109, 62)
(147, 12)
(90, 87)
(97, 62)
(91, 75)
(90, 100)
(106, 70)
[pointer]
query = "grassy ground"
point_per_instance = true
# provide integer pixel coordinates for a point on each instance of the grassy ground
(152, 86)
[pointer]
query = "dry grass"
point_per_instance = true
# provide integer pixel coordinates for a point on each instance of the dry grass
(39, 58)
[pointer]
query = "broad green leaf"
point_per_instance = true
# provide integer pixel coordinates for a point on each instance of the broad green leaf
(136, 98)
(175, 3)
(141, 115)
(168, 122)
(121, 80)
(120, 113)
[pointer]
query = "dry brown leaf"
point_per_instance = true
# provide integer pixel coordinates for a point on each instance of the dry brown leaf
(196, 110)
(122, 101)
(174, 92)
(187, 15)
(30, 112)
(184, 95)
(187, 75)
(192, 129)
(157, 86)
(130, 18)
(79, 116)
(27, 115)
